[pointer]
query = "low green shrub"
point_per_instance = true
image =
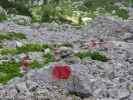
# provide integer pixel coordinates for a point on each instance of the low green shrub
(93, 55)
(122, 13)
(32, 47)
(48, 58)
(24, 49)
(35, 64)
(98, 56)
(2, 18)
(8, 51)
(12, 36)
(1, 46)
(10, 70)
(83, 54)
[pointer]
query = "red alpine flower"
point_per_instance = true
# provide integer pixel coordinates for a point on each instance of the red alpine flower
(61, 72)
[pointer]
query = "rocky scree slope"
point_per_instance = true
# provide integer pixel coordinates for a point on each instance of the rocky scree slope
(91, 79)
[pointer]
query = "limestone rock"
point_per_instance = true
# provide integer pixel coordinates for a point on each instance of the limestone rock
(21, 20)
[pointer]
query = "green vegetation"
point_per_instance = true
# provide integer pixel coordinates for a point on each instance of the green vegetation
(98, 56)
(62, 45)
(122, 13)
(59, 11)
(48, 58)
(128, 3)
(8, 51)
(10, 70)
(35, 64)
(32, 48)
(93, 55)
(74, 11)
(12, 36)
(2, 18)
(20, 7)
(24, 49)
(83, 54)
(70, 11)
(1, 46)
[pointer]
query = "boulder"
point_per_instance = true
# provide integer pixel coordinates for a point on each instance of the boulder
(11, 91)
(123, 93)
(80, 83)
(62, 52)
(32, 86)
(22, 88)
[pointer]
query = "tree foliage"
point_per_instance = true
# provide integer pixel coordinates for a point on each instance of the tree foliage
(60, 10)
(17, 7)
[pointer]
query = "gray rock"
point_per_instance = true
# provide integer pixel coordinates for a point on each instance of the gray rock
(3, 11)
(22, 88)
(37, 56)
(65, 52)
(13, 44)
(2, 91)
(11, 92)
(104, 27)
(72, 60)
(131, 96)
(62, 52)
(128, 37)
(122, 93)
(32, 86)
(21, 20)
(37, 2)
(130, 87)
(108, 99)
(80, 83)
(15, 80)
